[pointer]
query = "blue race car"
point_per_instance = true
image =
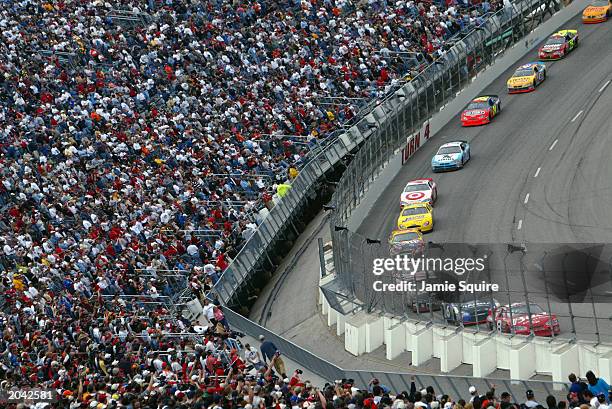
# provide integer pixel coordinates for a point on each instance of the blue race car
(452, 155)
(469, 312)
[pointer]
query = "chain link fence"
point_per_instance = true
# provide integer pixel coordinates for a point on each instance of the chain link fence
(537, 289)
(569, 300)
(384, 123)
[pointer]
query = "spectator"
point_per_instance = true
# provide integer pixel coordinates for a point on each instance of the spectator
(597, 385)
(374, 383)
(551, 402)
(251, 356)
(506, 401)
(272, 354)
(577, 387)
(603, 401)
(530, 402)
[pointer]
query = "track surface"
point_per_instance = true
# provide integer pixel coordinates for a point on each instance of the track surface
(540, 172)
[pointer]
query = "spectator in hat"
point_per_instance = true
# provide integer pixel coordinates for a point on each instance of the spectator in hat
(530, 402)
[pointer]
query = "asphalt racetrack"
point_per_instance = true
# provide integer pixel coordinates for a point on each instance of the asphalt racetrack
(540, 172)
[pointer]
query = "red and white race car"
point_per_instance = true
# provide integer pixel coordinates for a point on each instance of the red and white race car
(419, 191)
(516, 317)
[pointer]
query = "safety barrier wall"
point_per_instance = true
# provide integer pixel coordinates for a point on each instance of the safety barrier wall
(429, 336)
(455, 386)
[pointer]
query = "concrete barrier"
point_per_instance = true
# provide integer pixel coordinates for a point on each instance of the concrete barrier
(374, 333)
(395, 340)
(484, 354)
(564, 360)
(605, 365)
(522, 360)
(451, 351)
(422, 344)
(355, 333)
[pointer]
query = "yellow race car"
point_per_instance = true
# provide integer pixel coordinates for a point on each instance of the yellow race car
(527, 77)
(416, 216)
(597, 12)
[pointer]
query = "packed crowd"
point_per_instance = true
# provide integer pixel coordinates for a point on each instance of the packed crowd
(215, 370)
(132, 153)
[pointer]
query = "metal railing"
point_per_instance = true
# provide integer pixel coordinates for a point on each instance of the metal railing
(455, 386)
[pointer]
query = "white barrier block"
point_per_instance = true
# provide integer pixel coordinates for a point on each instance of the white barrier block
(325, 307)
(504, 346)
(484, 353)
(522, 361)
(588, 357)
(438, 334)
(396, 340)
(469, 339)
(411, 328)
(340, 323)
(543, 354)
(605, 365)
(355, 334)
(388, 323)
(451, 351)
(564, 361)
(331, 316)
(422, 341)
(375, 332)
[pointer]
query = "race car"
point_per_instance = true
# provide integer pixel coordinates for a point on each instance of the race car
(516, 317)
(470, 312)
(481, 110)
(451, 155)
(558, 45)
(527, 77)
(597, 12)
(416, 216)
(419, 191)
(406, 241)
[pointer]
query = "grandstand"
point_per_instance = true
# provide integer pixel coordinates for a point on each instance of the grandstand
(141, 143)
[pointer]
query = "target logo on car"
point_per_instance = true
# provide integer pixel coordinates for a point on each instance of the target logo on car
(415, 195)
(419, 191)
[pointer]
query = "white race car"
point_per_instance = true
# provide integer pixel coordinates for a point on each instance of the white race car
(419, 191)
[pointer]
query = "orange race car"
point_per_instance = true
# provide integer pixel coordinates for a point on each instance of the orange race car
(597, 12)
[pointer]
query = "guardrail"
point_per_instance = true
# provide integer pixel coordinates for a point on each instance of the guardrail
(455, 386)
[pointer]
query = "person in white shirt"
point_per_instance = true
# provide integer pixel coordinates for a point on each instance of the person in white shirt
(209, 313)
(530, 402)
(251, 356)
